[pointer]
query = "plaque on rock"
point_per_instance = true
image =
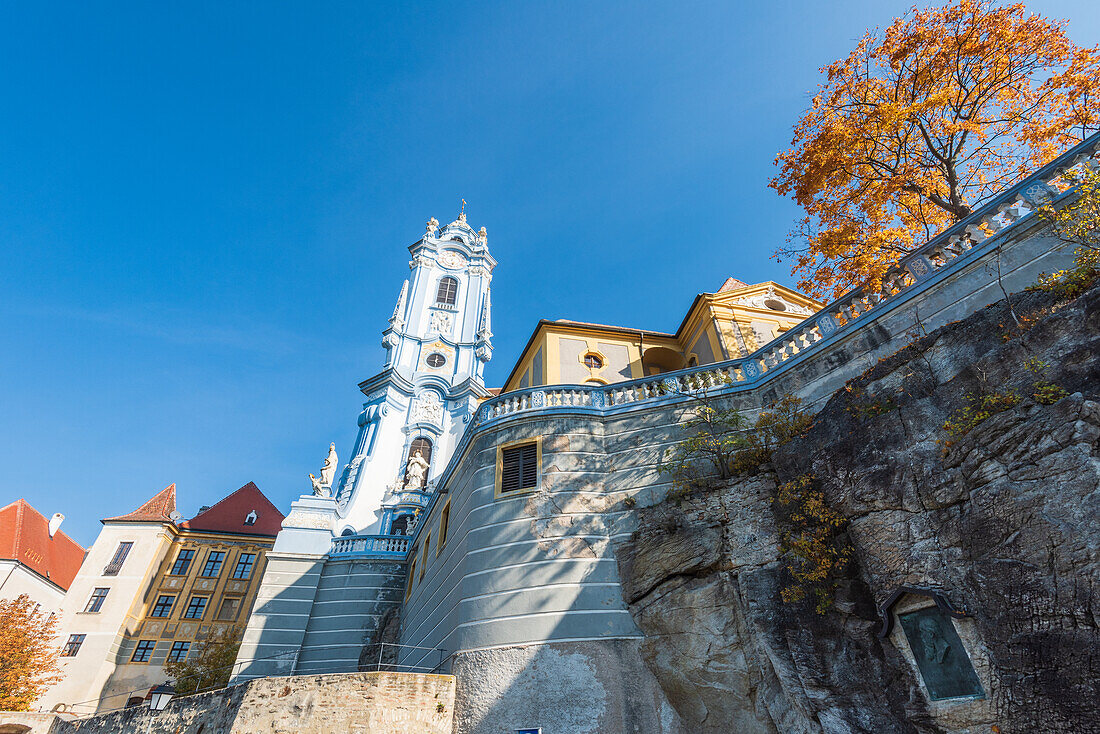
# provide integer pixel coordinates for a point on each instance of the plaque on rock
(941, 658)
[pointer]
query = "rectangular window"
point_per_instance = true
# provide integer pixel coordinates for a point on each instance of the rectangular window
(183, 562)
(444, 526)
(424, 558)
(230, 606)
(213, 565)
(119, 558)
(412, 576)
(96, 600)
(245, 562)
(143, 651)
(195, 608)
(519, 467)
(163, 607)
(72, 647)
(178, 651)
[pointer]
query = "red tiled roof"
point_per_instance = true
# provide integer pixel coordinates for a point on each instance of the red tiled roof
(158, 508)
(230, 514)
(25, 537)
(731, 284)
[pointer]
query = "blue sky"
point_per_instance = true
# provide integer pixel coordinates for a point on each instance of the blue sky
(205, 207)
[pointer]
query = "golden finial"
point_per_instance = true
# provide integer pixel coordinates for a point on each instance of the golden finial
(462, 214)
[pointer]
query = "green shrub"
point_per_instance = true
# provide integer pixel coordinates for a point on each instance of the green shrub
(812, 534)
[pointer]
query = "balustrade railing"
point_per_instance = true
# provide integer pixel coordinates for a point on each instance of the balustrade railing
(381, 545)
(1002, 213)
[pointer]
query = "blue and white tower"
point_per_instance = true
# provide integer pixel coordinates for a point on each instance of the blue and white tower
(417, 407)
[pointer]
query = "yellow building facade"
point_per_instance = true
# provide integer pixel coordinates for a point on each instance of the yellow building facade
(732, 322)
(153, 587)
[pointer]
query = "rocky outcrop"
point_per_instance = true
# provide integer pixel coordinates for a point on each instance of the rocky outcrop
(1003, 523)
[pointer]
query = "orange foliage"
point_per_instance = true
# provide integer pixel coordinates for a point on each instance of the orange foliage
(28, 657)
(921, 124)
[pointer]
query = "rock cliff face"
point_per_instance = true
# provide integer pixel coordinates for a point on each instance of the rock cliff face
(1003, 524)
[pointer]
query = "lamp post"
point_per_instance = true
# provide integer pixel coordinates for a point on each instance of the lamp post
(160, 696)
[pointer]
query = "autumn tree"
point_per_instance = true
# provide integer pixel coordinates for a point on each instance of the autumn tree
(209, 664)
(28, 654)
(922, 123)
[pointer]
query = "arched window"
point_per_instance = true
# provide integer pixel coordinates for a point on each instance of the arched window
(424, 446)
(347, 531)
(447, 293)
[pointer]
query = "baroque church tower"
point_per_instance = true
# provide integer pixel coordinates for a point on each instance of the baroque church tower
(417, 407)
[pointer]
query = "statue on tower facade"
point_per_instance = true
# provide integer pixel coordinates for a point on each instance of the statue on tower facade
(416, 472)
(322, 485)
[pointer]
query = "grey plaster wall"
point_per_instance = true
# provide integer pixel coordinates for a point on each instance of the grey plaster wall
(352, 597)
(579, 688)
(277, 627)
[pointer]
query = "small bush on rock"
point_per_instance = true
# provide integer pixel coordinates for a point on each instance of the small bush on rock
(813, 536)
(778, 424)
(977, 409)
(1045, 391)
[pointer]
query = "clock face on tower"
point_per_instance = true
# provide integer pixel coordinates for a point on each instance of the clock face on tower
(452, 259)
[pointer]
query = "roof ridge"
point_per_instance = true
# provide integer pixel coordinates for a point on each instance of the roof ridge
(223, 499)
(157, 508)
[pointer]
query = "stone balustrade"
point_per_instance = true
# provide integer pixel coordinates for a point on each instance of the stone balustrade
(374, 546)
(1001, 214)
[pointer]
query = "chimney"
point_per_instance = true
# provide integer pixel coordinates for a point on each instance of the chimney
(55, 522)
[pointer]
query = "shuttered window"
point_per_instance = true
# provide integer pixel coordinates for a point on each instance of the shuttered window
(519, 467)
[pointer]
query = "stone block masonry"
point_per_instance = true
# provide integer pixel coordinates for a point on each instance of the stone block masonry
(356, 703)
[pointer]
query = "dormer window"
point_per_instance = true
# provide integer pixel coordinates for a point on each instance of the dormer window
(250, 518)
(447, 294)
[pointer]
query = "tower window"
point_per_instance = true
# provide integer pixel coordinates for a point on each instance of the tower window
(436, 360)
(447, 294)
(593, 361)
(519, 467)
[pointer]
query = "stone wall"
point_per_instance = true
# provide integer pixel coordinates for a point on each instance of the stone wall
(28, 722)
(1002, 523)
(378, 703)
